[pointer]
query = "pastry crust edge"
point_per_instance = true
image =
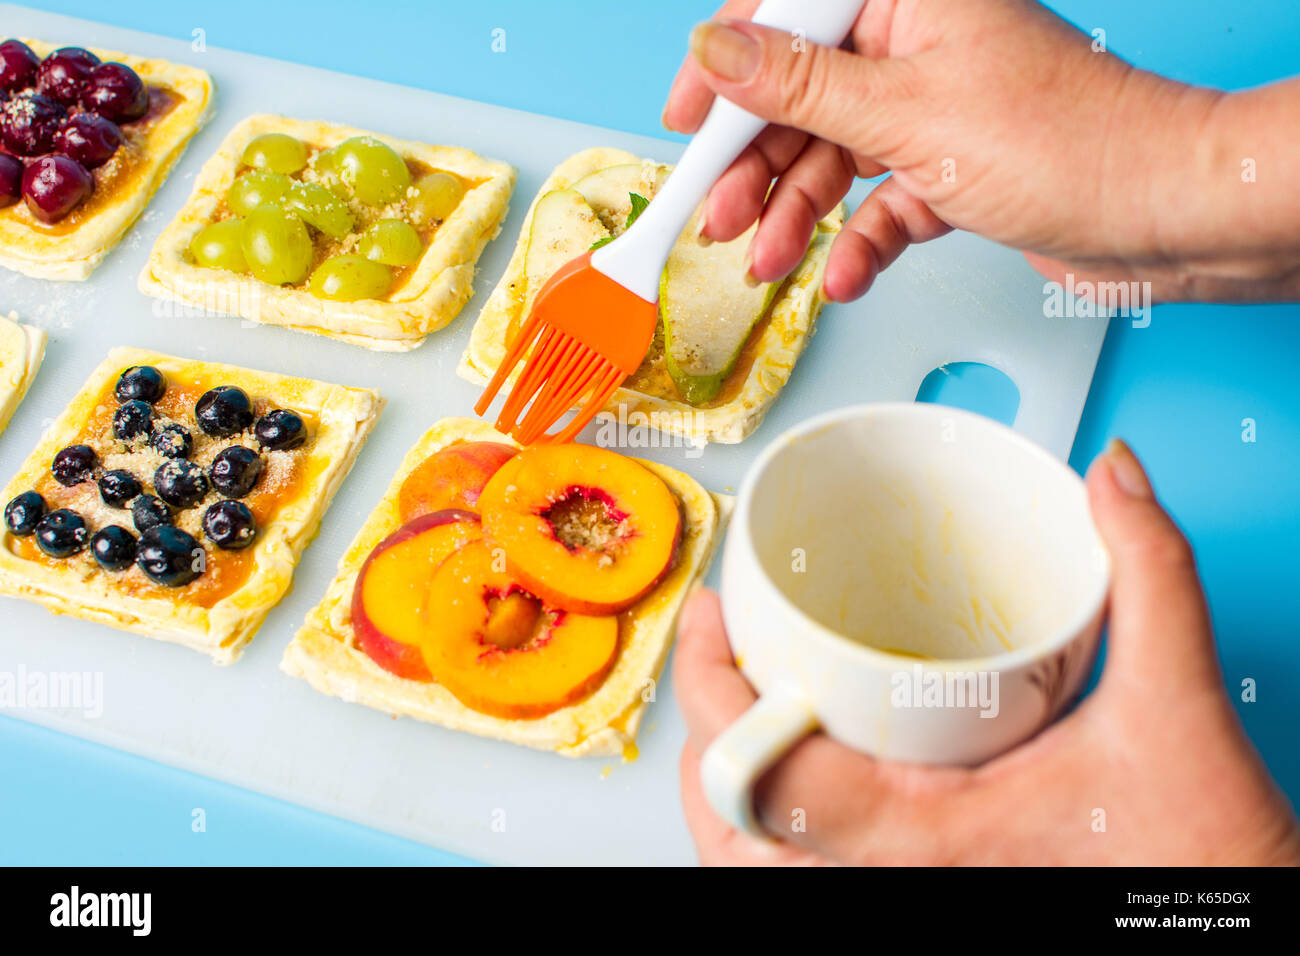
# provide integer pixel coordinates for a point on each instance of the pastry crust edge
(13, 392)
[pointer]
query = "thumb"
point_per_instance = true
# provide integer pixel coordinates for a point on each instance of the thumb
(841, 97)
(1160, 631)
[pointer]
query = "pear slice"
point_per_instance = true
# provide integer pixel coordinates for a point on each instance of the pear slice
(708, 311)
(609, 190)
(563, 228)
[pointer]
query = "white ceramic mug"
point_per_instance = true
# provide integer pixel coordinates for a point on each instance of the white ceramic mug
(922, 583)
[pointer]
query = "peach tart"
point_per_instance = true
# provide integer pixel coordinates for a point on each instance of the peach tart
(523, 594)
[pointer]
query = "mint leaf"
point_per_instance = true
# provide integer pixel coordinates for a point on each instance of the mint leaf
(639, 203)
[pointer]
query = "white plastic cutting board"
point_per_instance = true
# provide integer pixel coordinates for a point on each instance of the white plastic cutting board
(958, 299)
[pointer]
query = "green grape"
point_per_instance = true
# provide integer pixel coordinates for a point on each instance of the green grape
(318, 207)
(347, 278)
(392, 242)
(276, 152)
(372, 170)
(219, 246)
(254, 188)
(325, 165)
(276, 245)
(436, 195)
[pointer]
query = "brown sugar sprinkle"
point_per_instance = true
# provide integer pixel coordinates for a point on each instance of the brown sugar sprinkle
(582, 519)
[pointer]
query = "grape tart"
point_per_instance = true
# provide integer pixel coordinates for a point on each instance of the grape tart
(327, 652)
(173, 498)
(87, 136)
(334, 230)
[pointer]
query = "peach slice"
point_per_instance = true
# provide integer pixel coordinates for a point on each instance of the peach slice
(585, 529)
(451, 477)
(389, 597)
(503, 652)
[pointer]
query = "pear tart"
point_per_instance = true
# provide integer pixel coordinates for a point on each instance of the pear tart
(173, 498)
(88, 136)
(724, 348)
(329, 229)
(527, 595)
(21, 349)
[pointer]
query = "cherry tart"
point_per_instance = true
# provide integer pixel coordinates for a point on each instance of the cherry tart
(86, 138)
(174, 497)
(334, 230)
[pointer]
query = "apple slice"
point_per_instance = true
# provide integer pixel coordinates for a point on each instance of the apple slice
(585, 529)
(503, 652)
(609, 191)
(389, 597)
(708, 311)
(563, 228)
(452, 477)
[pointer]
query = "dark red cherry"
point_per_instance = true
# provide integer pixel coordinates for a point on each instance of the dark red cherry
(89, 139)
(29, 124)
(17, 66)
(11, 180)
(115, 91)
(54, 186)
(62, 75)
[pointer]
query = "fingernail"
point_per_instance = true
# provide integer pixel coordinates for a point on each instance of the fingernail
(727, 52)
(1127, 470)
(700, 237)
(749, 269)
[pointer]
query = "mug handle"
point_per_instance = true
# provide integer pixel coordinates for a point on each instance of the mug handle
(742, 752)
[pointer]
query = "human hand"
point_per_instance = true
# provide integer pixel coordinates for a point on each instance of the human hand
(997, 117)
(1156, 746)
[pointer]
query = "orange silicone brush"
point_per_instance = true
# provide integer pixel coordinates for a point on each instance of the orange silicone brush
(592, 322)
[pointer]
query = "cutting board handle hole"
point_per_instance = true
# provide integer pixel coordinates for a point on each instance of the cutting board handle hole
(975, 387)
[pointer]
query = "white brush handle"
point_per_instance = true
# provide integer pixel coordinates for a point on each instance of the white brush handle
(635, 260)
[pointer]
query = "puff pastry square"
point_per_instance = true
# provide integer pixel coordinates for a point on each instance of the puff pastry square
(22, 347)
(219, 612)
(71, 248)
(325, 653)
(431, 294)
(649, 396)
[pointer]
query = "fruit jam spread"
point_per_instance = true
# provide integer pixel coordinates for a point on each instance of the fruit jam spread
(278, 479)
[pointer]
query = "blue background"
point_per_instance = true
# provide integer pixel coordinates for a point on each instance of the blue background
(1178, 391)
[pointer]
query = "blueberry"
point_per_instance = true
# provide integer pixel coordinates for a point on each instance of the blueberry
(132, 418)
(23, 513)
(73, 465)
(143, 382)
(280, 430)
(173, 441)
(62, 533)
(230, 525)
(149, 512)
(113, 547)
(117, 487)
(234, 471)
(225, 410)
(180, 483)
(169, 556)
